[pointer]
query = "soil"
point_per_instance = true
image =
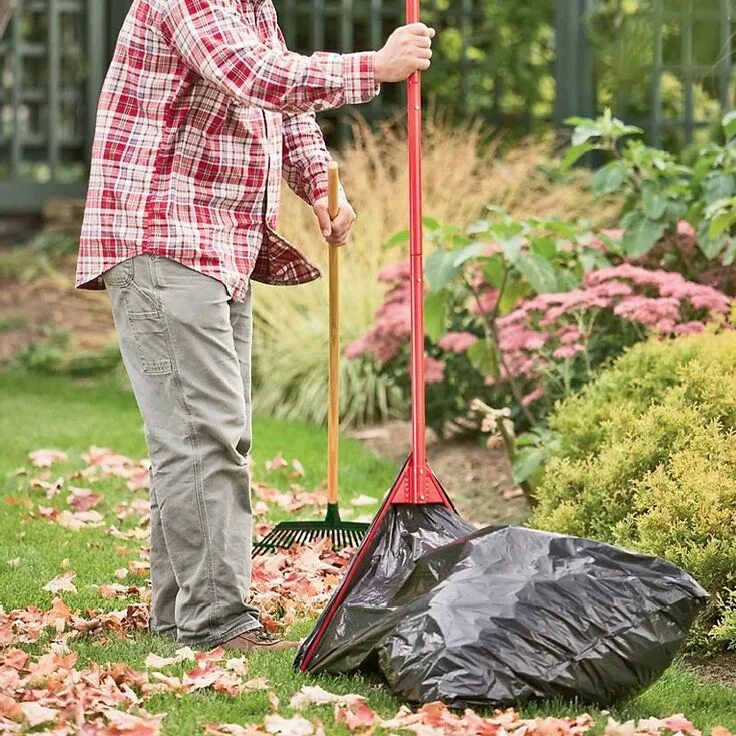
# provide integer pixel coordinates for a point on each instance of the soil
(476, 478)
(31, 312)
(720, 669)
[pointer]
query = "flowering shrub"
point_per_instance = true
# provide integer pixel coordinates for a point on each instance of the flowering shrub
(521, 314)
(659, 191)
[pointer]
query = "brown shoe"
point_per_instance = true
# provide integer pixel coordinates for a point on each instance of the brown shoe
(258, 640)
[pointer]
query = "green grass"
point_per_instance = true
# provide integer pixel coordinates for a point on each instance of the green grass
(62, 413)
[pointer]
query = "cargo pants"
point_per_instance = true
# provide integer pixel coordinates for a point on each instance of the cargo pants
(187, 349)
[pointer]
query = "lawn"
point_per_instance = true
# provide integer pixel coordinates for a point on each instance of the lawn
(71, 415)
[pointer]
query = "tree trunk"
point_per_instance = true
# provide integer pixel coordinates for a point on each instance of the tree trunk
(6, 10)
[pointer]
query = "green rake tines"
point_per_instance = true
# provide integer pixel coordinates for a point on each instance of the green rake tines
(288, 533)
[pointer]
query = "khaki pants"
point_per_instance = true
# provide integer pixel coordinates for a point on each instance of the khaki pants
(186, 348)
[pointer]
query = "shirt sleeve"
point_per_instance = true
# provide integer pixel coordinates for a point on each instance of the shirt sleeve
(212, 38)
(305, 157)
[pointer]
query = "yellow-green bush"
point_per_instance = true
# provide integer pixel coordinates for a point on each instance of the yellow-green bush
(647, 460)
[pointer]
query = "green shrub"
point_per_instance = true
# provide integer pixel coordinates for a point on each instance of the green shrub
(647, 459)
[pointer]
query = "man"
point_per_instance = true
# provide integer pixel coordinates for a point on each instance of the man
(202, 109)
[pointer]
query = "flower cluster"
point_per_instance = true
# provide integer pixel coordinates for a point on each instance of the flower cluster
(614, 307)
(393, 319)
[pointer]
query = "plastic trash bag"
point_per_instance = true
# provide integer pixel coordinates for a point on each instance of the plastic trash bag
(499, 616)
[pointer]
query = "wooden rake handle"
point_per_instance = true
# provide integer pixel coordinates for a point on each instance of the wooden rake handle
(333, 391)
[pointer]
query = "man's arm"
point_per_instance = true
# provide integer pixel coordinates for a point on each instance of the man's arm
(211, 37)
(305, 157)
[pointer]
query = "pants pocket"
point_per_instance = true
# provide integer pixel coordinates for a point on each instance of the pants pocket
(147, 321)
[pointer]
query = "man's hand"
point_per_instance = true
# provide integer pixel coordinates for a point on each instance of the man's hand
(337, 231)
(407, 50)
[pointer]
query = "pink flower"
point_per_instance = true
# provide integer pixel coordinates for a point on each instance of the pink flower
(360, 347)
(434, 371)
(570, 336)
(567, 351)
(395, 272)
(689, 328)
(615, 233)
(685, 229)
(486, 303)
(665, 327)
(458, 342)
(530, 398)
(519, 337)
(647, 310)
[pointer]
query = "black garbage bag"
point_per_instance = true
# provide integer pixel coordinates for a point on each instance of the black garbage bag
(500, 616)
(407, 533)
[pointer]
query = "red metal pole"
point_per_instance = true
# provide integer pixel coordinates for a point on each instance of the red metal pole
(418, 476)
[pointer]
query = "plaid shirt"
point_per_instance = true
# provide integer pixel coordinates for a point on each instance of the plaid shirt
(202, 110)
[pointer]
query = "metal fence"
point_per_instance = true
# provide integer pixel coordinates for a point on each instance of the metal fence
(668, 66)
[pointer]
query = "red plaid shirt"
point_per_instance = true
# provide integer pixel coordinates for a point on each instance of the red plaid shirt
(202, 109)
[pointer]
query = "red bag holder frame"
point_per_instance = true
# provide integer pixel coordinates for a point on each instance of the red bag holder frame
(416, 483)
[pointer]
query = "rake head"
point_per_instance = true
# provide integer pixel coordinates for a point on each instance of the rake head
(288, 533)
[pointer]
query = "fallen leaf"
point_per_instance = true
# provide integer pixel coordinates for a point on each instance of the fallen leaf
(45, 458)
(310, 695)
(82, 499)
(364, 500)
(138, 567)
(231, 729)
(512, 492)
(614, 728)
(679, 724)
(139, 481)
(130, 725)
(355, 715)
(35, 714)
(276, 463)
(237, 665)
(116, 590)
(52, 489)
(182, 655)
(62, 583)
(296, 726)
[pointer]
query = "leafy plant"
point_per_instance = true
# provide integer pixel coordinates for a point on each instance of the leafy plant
(520, 314)
(658, 190)
(290, 325)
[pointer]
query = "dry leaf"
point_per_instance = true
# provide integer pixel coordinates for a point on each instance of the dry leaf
(52, 489)
(62, 583)
(82, 499)
(46, 458)
(357, 715)
(364, 500)
(35, 714)
(296, 726)
(310, 695)
(276, 463)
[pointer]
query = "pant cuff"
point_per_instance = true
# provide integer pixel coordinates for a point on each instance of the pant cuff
(168, 631)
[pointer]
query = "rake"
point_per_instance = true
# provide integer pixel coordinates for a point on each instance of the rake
(340, 533)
